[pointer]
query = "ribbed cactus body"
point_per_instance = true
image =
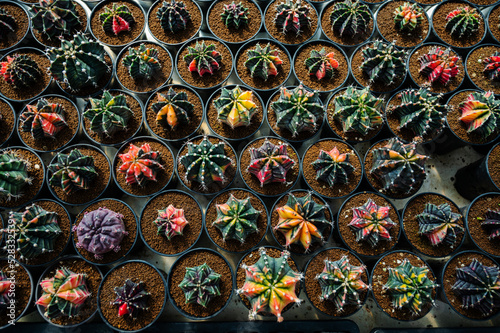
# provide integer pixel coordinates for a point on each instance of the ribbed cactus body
(116, 19)
(203, 59)
(131, 299)
(43, 119)
(439, 224)
(170, 222)
(439, 65)
(140, 165)
(384, 63)
(236, 219)
(480, 112)
(350, 18)
(13, 175)
(5, 294)
(20, 71)
(109, 114)
(174, 16)
(8, 24)
(293, 16)
(333, 167)
(234, 15)
(492, 66)
(143, 63)
(235, 107)
(463, 22)
(321, 64)
(55, 18)
(173, 109)
(262, 62)
(200, 285)
(492, 223)
(270, 163)
(408, 16)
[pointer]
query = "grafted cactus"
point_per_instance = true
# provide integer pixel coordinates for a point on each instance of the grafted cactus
(270, 163)
(262, 62)
(492, 66)
(5, 285)
(140, 164)
(293, 16)
(172, 109)
(203, 59)
(131, 299)
(270, 285)
(200, 285)
(463, 22)
(408, 16)
(13, 175)
(109, 114)
(43, 119)
(350, 18)
(492, 223)
(173, 16)
(302, 221)
(383, 63)
(235, 107)
(8, 24)
(439, 224)
(481, 113)
(55, 18)
(20, 71)
(170, 222)
(234, 15)
(333, 167)
(439, 66)
(143, 63)
(117, 19)
(321, 64)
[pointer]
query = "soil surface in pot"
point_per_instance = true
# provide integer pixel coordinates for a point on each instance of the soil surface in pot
(22, 24)
(483, 2)
(478, 233)
(494, 22)
(22, 291)
(7, 121)
(345, 217)
(475, 68)
(191, 232)
(493, 165)
(137, 272)
(428, 2)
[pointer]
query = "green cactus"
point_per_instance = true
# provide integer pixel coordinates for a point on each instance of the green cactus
(13, 175)
(234, 15)
(333, 167)
(8, 24)
(20, 71)
(142, 64)
(262, 62)
(200, 285)
(384, 63)
(203, 59)
(321, 64)
(235, 107)
(293, 16)
(109, 114)
(55, 18)
(350, 18)
(173, 16)
(463, 22)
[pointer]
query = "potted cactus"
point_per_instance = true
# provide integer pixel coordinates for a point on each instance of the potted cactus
(493, 22)
(7, 121)
(16, 24)
(483, 67)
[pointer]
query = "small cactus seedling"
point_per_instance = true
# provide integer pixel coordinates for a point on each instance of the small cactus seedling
(408, 16)
(203, 59)
(398, 167)
(333, 167)
(35, 230)
(174, 16)
(383, 63)
(298, 110)
(262, 62)
(350, 18)
(421, 112)
(8, 24)
(481, 113)
(235, 107)
(358, 110)
(5, 285)
(64, 294)
(492, 222)
(439, 66)
(270, 163)
(200, 285)
(492, 66)
(236, 219)
(410, 287)
(140, 164)
(78, 63)
(321, 64)
(172, 109)
(292, 16)
(143, 63)
(479, 287)
(234, 15)
(270, 285)
(371, 223)
(170, 222)
(72, 172)
(20, 71)
(205, 163)
(439, 224)
(463, 22)
(117, 19)
(109, 114)
(43, 119)
(342, 283)
(131, 299)
(302, 221)
(55, 18)
(13, 175)
(100, 231)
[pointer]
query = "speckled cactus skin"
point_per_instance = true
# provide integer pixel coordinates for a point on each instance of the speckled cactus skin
(43, 119)
(173, 16)
(200, 285)
(13, 175)
(108, 114)
(131, 299)
(55, 18)
(384, 63)
(292, 16)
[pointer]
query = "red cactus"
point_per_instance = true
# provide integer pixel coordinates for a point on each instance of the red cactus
(439, 65)
(140, 164)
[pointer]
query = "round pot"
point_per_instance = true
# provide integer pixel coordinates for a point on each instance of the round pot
(18, 38)
(476, 75)
(492, 22)
(476, 215)
(484, 4)
(8, 120)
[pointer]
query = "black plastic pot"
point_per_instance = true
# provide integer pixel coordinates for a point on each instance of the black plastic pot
(468, 221)
(23, 40)
(13, 130)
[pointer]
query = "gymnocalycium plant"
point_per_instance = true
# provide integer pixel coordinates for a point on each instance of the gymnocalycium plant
(109, 114)
(172, 109)
(140, 164)
(170, 222)
(200, 285)
(463, 22)
(20, 71)
(142, 63)
(333, 167)
(5, 285)
(43, 119)
(481, 113)
(131, 299)
(13, 175)
(174, 16)
(203, 59)
(350, 18)
(321, 64)
(8, 24)
(292, 16)
(235, 107)
(439, 224)
(408, 16)
(492, 222)
(383, 63)
(262, 62)
(117, 19)
(492, 66)
(55, 18)
(439, 65)
(234, 15)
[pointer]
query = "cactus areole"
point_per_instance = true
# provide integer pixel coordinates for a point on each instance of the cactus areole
(270, 163)
(131, 299)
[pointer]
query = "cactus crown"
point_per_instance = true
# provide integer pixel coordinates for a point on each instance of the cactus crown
(478, 286)
(5, 285)
(270, 285)
(20, 71)
(333, 167)
(410, 286)
(438, 65)
(321, 64)
(72, 171)
(492, 66)
(43, 119)
(108, 114)
(236, 219)
(481, 113)
(350, 18)
(358, 110)
(170, 222)
(439, 224)
(408, 16)
(200, 284)
(142, 63)
(54, 18)
(13, 175)
(398, 167)
(492, 222)
(100, 231)
(78, 63)
(302, 220)
(234, 15)
(270, 163)
(116, 19)
(383, 63)
(8, 24)
(342, 283)
(131, 299)
(262, 62)
(140, 164)
(235, 107)
(292, 16)
(463, 22)
(173, 16)
(203, 59)
(172, 109)
(64, 294)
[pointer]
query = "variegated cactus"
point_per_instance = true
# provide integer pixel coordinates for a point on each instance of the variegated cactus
(235, 107)
(140, 165)
(203, 59)
(200, 285)
(492, 66)
(172, 109)
(170, 222)
(492, 223)
(43, 119)
(408, 16)
(116, 19)
(383, 63)
(321, 64)
(270, 163)
(234, 15)
(481, 113)
(131, 299)
(262, 62)
(5, 294)
(109, 114)
(463, 22)
(174, 16)
(439, 224)
(293, 16)
(55, 18)
(13, 175)
(333, 167)
(439, 65)
(8, 24)
(143, 63)
(20, 71)
(350, 18)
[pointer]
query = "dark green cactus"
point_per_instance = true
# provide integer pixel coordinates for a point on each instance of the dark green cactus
(55, 18)
(384, 63)
(350, 18)
(116, 19)
(203, 59)
(234, 15)
(108, 114)
(13, 175)
(293, 16)
(20, 71)
(142, 64)
(463, 22)
(481, 113)
(200, 284)
(333, 167)
(262, 62)
(172, 109)
(131, 299)
(235, 107)
(321, 64)
(173, 16)
(8, 24)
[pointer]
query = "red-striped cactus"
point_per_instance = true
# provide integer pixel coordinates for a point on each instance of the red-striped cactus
(43, 119)
(131, 299)
(203, 59)
(439, 224)
(170, 222)
(54, 18)
(463, 22)
(321, 64)
(439, 66)
(234, 15)
(492, 66)
(481, 113)
(292, 16)
(408, 16)
(270, 163)
(140, 164)
(20, 71)
(117, 19)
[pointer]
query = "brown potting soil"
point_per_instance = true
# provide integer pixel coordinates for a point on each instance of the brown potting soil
(475, 68)
(493, 165)
(96, 186)
(322, 187)
(22, 290)
(123, 37)
(272, 188)
(232, 244)
(411, 226)
(313, 288)
(193, 259)
(311, 81)
(7, 121)
(483, 2)
(494, 22)
(380, 277)
(345, 217)
(22, 24)
(176, 244)
(428, 2)
(159, 77)
(163, 176)
(72, 118)
(153, 284)
(272, 81)
(183, 130)
(478, 233)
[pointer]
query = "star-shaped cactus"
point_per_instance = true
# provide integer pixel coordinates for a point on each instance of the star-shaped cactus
(439, 65)
(235, 107)
(203, 59)
(481, 113)
(439, 224)
(262, 62)
(140, 164)
(321, 64)
(270, 163)
(333, 167)
(200, 285)
(170, 222)
(492, 223)
(131, 299)
(43, 119)
(173, 109)
(293, 16)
